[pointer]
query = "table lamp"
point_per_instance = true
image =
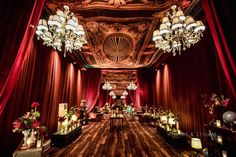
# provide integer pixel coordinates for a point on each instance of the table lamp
(196, 144)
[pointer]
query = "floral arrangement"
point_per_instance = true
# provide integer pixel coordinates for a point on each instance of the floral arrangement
(29, 121)
(212, 100)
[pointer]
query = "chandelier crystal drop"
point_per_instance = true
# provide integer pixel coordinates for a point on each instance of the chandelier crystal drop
(61, 29)
(177, 32)
(132, 86)
(107, 86)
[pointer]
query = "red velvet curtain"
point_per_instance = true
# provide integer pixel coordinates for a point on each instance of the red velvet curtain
(132, 96)
(223, 27)
(45, 77)
(145, 93)
(12, 60)
(128, 99)
(92, 81)
(104, 97)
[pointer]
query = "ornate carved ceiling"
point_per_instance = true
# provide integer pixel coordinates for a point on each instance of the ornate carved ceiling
(119, 32)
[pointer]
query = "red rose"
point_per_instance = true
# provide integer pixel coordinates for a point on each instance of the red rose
(16, 124)
(35, 124)
(35, 104)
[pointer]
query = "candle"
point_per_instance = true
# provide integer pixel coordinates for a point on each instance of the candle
(224, 153)
(39, 142)
(219, 139)
(218, 124)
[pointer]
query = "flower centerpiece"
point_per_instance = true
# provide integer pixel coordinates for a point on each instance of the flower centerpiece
(28, 125)
(216, 103)
(211, 101)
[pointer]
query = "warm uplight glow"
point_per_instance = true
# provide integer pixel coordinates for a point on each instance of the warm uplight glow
(61, 29)
(177, 32)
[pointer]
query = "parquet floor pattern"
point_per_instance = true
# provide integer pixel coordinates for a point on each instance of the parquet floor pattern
(134, 139)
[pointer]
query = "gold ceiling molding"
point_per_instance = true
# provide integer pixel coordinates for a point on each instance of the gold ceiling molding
(157, 5)
(115, 44)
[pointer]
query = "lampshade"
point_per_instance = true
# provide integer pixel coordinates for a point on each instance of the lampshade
(189, 22)
(156, 35)
(166, 21)
(196, 143)
(164, 29)
(176, 23)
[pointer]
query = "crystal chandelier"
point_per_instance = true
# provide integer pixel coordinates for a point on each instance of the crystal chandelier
(125, 93)
(107, 86)
(111, 93)
(132, 86)
(177, 32)
(61, 28)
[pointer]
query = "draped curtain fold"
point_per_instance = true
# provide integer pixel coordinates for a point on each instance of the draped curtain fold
(92, 78)
(145, 93)
(220, 25)
(104, 97)
(11, 73)
(128, 99)
(47, 78)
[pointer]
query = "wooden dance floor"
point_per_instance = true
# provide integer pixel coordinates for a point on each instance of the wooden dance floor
(134, 139)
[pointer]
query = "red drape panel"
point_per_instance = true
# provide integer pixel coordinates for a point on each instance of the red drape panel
(221, 43)
(146, 88)
(128, 99)
(13, 72)
(132, 95)
(45, 77)
(79, 88)
(92, 78)
(104, 97)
